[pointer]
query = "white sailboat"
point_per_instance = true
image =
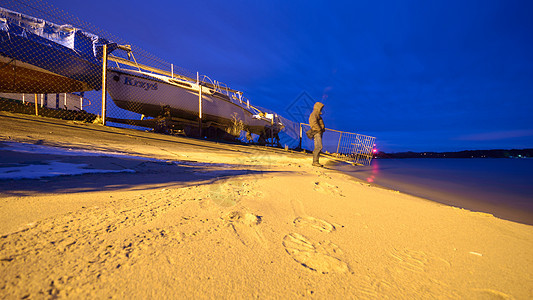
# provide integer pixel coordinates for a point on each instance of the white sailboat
(147, 93)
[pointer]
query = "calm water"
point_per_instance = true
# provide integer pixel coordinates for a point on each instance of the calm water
(502, 187)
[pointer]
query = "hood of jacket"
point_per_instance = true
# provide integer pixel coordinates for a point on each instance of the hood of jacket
(317, 108)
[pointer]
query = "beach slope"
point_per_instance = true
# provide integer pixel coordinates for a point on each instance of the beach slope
(157, 216)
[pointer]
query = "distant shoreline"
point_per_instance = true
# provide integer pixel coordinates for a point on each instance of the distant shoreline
(496, 153)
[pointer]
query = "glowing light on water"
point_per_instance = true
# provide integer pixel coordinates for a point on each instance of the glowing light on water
(375, 171)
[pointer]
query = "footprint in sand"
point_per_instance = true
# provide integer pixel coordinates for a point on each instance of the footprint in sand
(314, 223)
(245, 227)
(326, 188)
(244, 218)
(315, 256)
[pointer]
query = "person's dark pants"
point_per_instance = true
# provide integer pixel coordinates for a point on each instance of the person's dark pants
(318, 147)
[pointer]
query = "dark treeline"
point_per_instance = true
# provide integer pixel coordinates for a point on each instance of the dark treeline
(497, 153)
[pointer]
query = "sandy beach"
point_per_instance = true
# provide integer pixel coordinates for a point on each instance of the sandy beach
(175, 217)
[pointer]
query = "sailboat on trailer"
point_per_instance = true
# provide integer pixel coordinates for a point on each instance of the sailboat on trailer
(148, 93)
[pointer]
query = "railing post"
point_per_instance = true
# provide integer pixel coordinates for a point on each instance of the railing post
(339, 144)
(104, 90)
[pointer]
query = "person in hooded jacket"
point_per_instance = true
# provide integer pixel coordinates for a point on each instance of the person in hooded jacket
(317, 130)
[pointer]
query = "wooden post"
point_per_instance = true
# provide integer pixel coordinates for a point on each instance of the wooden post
(300, 143)
(200, 109)
(104, 91)
(272, 130)
(36, 106)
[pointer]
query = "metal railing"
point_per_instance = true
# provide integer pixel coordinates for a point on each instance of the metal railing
(347, 146)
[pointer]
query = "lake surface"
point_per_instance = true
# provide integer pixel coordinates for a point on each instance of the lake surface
(502, 186)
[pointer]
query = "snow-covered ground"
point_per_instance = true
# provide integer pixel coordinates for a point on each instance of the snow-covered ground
(41, 149)
(59, 162)
(52, 167)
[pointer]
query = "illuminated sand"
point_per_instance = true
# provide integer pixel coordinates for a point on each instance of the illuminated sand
(239, 222)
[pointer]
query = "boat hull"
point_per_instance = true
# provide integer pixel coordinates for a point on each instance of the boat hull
(37, 56)
(45, 69)
(137, 92)
(20, 77)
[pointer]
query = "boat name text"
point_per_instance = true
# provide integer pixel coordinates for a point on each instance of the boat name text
(140, 84)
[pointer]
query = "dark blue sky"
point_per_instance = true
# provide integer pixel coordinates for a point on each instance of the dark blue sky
(418, 75)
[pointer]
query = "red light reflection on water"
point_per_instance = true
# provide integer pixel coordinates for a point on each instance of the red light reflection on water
(375, 171)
